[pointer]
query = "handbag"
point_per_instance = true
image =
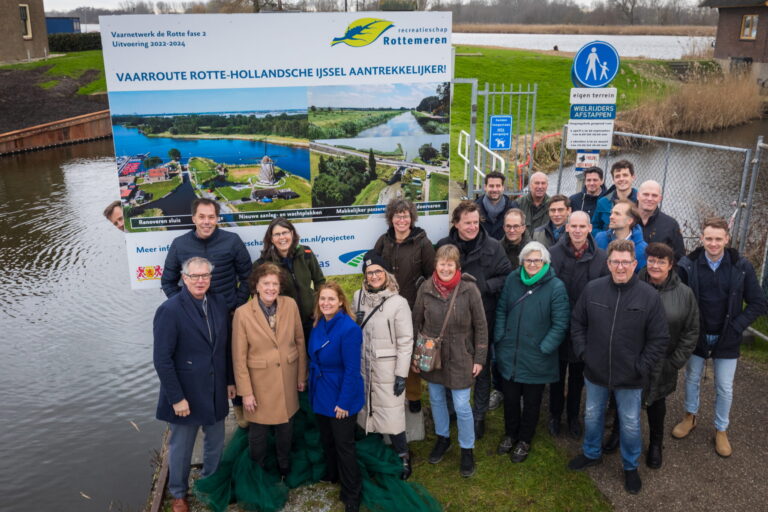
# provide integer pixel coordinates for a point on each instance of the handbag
(426, 354)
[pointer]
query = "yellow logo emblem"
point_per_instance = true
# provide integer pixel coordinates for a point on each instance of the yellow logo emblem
(363, 32)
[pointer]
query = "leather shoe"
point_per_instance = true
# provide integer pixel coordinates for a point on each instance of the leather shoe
(653, 457)
(506, 445)
(180, 505)
(632, 482)
(407, 469)
(612, 443)
(520, 452)
(581, 461)
(479, 428)
(554, 426)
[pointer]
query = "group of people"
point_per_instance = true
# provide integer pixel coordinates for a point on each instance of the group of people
(590, 291)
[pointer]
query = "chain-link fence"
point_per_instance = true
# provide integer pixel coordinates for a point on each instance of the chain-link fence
(697, 179)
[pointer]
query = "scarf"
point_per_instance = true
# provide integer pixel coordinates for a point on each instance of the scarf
(492, 211)
(271, 313)
(531, 280)
(578, 253)
(444, 288)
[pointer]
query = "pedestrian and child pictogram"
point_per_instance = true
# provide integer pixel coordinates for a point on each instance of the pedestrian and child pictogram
(595, 65)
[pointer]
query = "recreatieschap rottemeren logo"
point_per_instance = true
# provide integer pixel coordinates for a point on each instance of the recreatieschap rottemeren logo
(363, 32)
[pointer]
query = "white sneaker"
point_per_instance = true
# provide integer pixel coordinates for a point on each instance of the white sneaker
(497, 398)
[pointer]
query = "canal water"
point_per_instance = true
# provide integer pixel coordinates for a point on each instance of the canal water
(76, 351)
(651, 47)
(398, 126)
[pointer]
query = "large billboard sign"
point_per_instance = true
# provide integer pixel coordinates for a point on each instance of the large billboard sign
(320, 118)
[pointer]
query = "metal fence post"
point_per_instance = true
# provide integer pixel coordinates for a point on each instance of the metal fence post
(562, 157)
(751, 196)
(533, 126)
(666, 170)
(472, 136)
(742, 190)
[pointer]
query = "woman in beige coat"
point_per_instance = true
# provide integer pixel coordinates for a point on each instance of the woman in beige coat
(385, 319)
(270, 364)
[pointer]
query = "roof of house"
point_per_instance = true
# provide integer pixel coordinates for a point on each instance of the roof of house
(732, 3)
(157, 172)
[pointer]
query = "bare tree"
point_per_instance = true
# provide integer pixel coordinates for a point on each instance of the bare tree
(628, 8)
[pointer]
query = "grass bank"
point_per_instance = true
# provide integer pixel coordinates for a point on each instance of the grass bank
(72, 65)
(628, 30)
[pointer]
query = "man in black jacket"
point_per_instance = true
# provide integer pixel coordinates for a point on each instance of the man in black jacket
(484, 259)
(619, 329)
(576, 261)
(594, 189)
(657, 225)
(723, 281)
(227, 252)
(494, 205)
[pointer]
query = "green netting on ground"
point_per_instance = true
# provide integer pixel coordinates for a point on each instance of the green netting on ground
(239, 480)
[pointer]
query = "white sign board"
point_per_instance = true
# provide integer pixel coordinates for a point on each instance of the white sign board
(589, 134)
(321, 118)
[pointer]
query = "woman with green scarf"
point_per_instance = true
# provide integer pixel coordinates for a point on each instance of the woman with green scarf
(531, 321)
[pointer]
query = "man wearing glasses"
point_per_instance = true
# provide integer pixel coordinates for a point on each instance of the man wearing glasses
(192, 357)
(619, 329)
(515, 235)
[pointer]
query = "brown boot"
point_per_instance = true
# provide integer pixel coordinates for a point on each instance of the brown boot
(684, 428)
(722, 446)
(240, 416)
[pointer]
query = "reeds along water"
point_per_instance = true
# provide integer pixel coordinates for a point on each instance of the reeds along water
(637, 30)
(702, 104)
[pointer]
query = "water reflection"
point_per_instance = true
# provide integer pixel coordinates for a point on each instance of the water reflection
(76, 345)
(400, 125)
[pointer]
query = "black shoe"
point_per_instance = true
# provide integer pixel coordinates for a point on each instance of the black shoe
(554, 426)
(407, 469)
(467, 464)
(441, 446)
(632, 482)
(574, 428)
(479, 428)
(506, 445)
(414, 406)
(611, 444)
(581, 461)
(520, 453)
(653, 457)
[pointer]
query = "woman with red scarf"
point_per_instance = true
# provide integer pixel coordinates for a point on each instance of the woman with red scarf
(449, 307)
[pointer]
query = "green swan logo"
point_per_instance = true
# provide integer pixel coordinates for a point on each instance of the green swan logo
(363, 32)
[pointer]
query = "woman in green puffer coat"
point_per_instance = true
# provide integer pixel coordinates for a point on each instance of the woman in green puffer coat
(531, 321)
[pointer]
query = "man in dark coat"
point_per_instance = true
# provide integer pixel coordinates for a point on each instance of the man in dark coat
(484, 259)
(225, 250)
(494, 204)
(515, 236)
(535, 203)
(594, 189)
(619, 329)
(192, 357)
(576, 261)
(558, 211)
(722, 281)
(657, 225)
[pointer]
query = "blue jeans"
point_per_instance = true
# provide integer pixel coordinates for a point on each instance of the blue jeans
(464, 418)
(725, 369)
(628, 405)
(180, 445)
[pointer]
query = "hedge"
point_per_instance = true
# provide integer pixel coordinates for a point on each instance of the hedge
(66, 43)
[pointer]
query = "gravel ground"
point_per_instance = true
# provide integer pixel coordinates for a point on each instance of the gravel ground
(693, 476)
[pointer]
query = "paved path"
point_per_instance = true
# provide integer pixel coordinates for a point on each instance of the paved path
(694, 477)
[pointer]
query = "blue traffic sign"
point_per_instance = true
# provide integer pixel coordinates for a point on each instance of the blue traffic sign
(500, 133)
(595, 65)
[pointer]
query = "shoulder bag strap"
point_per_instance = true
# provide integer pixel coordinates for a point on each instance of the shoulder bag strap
(525, 296)
(377, 308)
(450, 309)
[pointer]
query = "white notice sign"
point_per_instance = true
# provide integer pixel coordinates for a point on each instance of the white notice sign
(589, 134)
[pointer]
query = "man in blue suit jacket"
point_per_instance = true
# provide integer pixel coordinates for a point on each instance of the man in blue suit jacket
(192, 357)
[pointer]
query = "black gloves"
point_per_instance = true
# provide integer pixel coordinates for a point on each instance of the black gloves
(399, 385)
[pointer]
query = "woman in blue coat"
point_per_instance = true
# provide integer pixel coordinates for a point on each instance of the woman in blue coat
(336, 388)
(531, 321)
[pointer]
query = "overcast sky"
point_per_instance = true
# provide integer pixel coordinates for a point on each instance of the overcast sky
(65, 5)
